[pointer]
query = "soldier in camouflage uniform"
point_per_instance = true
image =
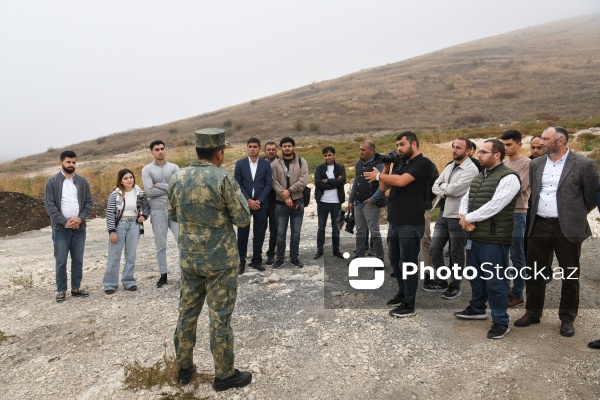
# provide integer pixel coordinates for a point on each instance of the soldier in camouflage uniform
(206, 201)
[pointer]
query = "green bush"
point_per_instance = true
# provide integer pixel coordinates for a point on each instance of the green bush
(314, 127)
(172, 131)
(299, 125)
(101, 140)
(239, 126)
(227, 123)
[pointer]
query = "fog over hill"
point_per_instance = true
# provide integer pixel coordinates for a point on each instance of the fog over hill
(546, 71)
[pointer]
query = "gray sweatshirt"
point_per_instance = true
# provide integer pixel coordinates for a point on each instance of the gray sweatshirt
(154, 173)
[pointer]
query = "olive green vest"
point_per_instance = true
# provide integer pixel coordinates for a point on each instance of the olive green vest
(499, 228)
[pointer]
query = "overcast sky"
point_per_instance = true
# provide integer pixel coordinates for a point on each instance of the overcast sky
(76, 70)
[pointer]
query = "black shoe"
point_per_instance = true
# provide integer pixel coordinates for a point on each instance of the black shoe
(468, 313)
(258, 267)
(79, 293)
(237, 380)
(498, 331)
(278, 264)
(60, 297)
(161, 281)
(566, 328)
(452, 293)
(318, 255)
(184, 375)
(526, 320)
(270, 260)
(594, 345)
(433, 287)
(403, 311)
(338, 254)
(298, 263)
(241, 268)
(396, 301)
(109, 291)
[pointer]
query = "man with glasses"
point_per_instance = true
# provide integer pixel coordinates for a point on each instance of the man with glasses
(487, 214)
(155, 177)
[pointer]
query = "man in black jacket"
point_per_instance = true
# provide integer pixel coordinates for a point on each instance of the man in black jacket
(330, 178)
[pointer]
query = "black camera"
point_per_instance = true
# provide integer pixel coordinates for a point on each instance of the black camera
(350, 222)
(387, 158)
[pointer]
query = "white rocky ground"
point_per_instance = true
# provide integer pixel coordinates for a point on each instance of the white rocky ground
(295, 346)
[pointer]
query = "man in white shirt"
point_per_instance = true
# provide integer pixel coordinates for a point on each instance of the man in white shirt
(330, 178)
(68, 202)
(254, 176)
(563, 189)
(487, 214)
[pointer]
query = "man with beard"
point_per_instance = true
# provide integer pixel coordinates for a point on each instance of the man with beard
(451, 186)
(363, 200)
(520, 164)
(290, 177)
(563, 189)
(270, 156)
(487, 214)
(68, 202)
(410, 182)
(535, 147)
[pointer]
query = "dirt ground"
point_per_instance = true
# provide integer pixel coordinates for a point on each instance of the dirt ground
(296, 347)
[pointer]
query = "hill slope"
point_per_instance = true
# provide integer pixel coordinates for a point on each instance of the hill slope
(546, 72)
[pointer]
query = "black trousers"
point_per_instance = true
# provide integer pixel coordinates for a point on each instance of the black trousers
(272, 229)
(546, 238)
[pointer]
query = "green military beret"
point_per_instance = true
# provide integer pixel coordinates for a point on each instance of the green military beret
(210, 138)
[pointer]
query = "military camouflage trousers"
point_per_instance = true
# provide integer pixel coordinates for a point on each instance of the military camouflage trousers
(220, 290)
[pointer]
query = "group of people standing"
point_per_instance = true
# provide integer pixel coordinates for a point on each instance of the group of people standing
(489, 206)
(68, 201)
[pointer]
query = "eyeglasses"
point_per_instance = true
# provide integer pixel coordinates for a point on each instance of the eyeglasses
(484, 152)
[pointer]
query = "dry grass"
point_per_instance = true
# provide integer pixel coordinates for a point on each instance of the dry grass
(161, 374)
(4, 336)
(24, 280)
(102, 172)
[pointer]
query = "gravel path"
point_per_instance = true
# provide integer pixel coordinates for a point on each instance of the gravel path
(296, 347)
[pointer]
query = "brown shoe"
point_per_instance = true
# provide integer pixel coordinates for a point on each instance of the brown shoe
(566, 328)
(526, 320)
(514, 300)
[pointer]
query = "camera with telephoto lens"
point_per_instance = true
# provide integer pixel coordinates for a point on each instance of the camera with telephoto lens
(350, 222)
(387, 158)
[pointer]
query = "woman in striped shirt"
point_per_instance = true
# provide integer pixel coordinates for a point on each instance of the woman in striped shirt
(126, 211)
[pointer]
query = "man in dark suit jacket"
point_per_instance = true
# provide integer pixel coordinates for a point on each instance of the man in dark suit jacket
(563, 187)
(254, 176)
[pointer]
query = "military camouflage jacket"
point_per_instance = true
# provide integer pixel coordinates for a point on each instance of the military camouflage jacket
(206, 201)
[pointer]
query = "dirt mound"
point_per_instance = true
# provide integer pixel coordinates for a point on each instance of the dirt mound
(21, 213)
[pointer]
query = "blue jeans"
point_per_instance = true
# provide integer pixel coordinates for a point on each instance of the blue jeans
(404, 244)
(448, 229)
(160, 227)
(517, 253)
(259, 224)
(128, 232)
(323, 211)
(485, 257)
(68, 241)
(284, 215)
